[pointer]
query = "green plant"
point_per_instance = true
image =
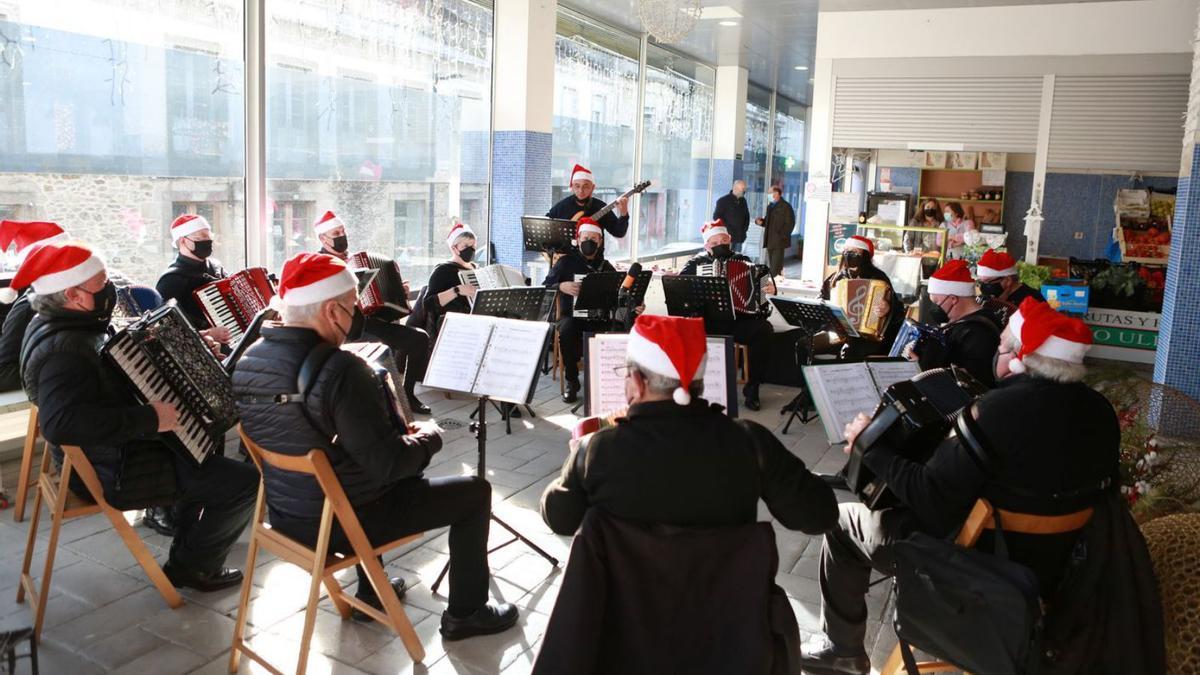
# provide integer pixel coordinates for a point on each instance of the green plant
(1121, 280)
(1032, 275)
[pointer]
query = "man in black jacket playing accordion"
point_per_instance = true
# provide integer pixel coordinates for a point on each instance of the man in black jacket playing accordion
(82, 401)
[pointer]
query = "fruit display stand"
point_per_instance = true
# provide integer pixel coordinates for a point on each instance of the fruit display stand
(1124, 309)
(1143, 228)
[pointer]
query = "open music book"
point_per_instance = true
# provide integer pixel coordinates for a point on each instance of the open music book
(488, 356)
(493, 276)
(842, 390)
(605, 390)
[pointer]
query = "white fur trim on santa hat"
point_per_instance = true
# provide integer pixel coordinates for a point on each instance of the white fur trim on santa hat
(714, 231)
(61, 281)
(325, 289)
(590, 227)
(459, 230)
(582, 174)
(981, 271)
(24, 253)
(328, 224)
(945, 287)
(858, 244)
(648, 355)
(192, 226)
(1065, 350)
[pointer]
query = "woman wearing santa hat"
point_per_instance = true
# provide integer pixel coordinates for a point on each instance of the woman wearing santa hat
(969, 336)
(582, 186)
(856, 263)
(445, 292)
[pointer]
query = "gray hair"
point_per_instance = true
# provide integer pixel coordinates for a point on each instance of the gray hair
(305, 314)
(661, 385)
(743, 182)
(48, 302)
(1048, 367)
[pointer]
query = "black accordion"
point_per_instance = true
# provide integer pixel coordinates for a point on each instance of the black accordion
(913, 417)
(378, 357)
(165, 359)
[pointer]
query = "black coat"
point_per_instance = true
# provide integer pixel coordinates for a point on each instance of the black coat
(184, 276)
(735, 213)
(11, 337)
(971, 344)
(567, 207)
(1021, 292)
(779, 221)
(345, 402)
(1054, 444)
(565, 270)
(81, 399)
(443, 278)
(659, 599)
(687, 466)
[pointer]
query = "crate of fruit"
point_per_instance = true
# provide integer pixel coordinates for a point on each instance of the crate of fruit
(1144, 240)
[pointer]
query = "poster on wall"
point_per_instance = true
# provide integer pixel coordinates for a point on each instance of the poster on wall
(931, 159)
(997, 161)
(993, 177)
(836, 241)
(844, 207)
(818, 189)
(963, 160)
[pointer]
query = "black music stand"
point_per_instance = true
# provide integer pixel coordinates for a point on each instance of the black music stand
(813, 317)
(598, 292)
(547, 235)
(708, 298)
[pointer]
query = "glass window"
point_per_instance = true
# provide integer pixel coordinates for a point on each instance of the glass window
(596, 87)
(790, 171)
(754, 155)
(379, 111)
(676, 153)
(116, 116)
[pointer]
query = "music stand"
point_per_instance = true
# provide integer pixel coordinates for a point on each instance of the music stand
(547, 235)
(526, 303)
(598, 292)
(708, 298)
(813, 317)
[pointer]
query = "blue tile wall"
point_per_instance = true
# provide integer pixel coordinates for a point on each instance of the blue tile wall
(1178, 354)
(520, 186)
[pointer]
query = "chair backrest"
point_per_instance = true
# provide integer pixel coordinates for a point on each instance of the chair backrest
(982, 518)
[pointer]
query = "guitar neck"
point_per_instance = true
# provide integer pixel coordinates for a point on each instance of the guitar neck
(611, 205)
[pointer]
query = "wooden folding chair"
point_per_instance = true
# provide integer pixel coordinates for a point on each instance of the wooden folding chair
(977, 521)
(741, 355)
(54, 489)
(26, 478)
(320, 563)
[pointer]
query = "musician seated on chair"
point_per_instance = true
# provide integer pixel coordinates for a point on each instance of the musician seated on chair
(445, 292)
(24, 235)
(341, 410)
(86, 402)
(193, 267)
(581, 203)
(751, 330)
(857, 263)
(1050, 447)
(674, 459)
(969, 337)
(409, 345)
(1000, 286)
(587, 258)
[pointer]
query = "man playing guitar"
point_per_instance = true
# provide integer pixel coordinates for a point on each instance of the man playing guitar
(581, 203)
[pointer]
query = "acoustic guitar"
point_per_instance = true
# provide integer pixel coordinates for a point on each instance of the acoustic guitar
(640, 187)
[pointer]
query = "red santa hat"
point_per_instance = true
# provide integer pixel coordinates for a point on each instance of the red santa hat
(580, 173)
(53, 267)
(996, 264)
(712, 229)
(587, 225)
(1045, 332)
(309, 278)
(459, 230)
(188, 223)
(670, 346)
(858, 243)
(954, 278)
(327, 222)
(26, 234)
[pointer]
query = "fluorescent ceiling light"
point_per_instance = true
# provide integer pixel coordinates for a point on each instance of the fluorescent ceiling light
(718, 12)
(801, 67)
(729, 23)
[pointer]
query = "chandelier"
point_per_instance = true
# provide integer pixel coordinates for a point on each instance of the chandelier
(669, 21)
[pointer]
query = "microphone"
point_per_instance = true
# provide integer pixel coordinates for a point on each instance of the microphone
(624, 298)
(630, 277)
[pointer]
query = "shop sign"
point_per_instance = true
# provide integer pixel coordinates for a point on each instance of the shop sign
(1116, 318)
(1124, 337)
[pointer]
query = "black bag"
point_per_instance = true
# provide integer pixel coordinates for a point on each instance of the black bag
(979, 611)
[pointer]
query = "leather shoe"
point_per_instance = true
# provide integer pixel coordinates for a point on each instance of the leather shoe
(417, 406)
(827, 661)
(489, 619)
(751, 394)
(161, 519)
(571, 395)
(224, 577)
(367, 595)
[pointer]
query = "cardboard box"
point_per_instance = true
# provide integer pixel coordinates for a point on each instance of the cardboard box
(1069, 296)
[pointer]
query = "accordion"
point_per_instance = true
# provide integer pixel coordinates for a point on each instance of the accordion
(912, 418)
(867, 303)
(384, 296)
(745, 284)
(1000, 311)
(378, 357)
(913, 333)
(234, 301)
(165, 359)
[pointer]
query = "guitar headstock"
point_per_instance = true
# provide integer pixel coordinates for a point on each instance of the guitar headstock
(640, 187)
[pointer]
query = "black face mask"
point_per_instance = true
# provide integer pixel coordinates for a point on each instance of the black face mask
(467, 253)
(937, 314)
(202, 249)
(588, 248)
(992, 289)
(855, 261)
(932, 213)
(722, 251)
(357, 320)
(340, 244)
(104, 301)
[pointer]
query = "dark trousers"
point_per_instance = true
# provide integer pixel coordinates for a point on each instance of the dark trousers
(570, 342)
(775, 260)
(410, 346)
(753, 332)
(861, 541)
(416, 505)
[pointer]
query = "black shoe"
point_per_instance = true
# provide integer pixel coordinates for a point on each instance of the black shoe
(489, 619)
(828, 661)
(751, 394)
(416, 406)
(161, 519)
(368, 596)
(224, 577)
(572, 393)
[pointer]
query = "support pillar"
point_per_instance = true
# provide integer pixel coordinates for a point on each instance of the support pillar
(523, 119)
(729, 127)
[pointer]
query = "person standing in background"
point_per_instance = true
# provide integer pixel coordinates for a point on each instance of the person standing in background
(957, 227)
(732, 210)
(779, 221)
(929, 215)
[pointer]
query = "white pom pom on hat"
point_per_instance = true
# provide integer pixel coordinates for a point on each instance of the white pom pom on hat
(670, 346)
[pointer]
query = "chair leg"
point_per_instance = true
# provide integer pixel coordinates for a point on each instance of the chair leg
(310, 613)
(142, 555)
(23, 480)
(31, 539)
(894, 662)
(335, 592)
(56, 519)
(239, 629)
(392, 607)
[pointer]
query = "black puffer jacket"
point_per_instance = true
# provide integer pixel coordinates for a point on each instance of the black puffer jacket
(81, 399)
(11, 336)
(345, 402)
(184, 276)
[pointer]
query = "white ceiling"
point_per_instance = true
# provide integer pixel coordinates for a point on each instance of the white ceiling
(772, 37)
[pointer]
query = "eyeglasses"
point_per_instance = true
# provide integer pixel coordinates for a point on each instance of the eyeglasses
(623, 371)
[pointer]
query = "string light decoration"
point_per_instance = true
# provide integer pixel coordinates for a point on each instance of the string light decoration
(669, 21)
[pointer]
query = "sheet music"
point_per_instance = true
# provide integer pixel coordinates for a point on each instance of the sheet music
(887, 373)
(840, 392)
(606, 390)
(458, 353)
(512, 356)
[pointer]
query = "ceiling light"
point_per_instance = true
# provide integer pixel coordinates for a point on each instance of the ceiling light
(719, 12)
(729, 23)
(801, 67)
